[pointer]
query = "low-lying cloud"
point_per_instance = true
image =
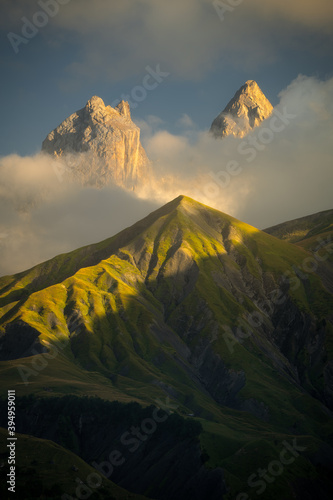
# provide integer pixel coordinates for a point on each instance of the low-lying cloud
(43, 215)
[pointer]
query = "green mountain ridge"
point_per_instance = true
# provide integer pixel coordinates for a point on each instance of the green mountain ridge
(304, 228)
(314, 233)
(195, 306)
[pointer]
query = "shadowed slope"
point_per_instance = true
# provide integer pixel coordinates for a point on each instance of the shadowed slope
(182, 305)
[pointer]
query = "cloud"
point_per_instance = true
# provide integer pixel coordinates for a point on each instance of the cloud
(185, 121)
(24, 180)
(41, 217)
(116, 40)
(282, 170)
(150, 125)
(186, 38)
(315, 15)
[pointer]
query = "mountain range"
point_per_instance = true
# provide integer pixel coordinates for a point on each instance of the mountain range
(99, 144)
(195, 345)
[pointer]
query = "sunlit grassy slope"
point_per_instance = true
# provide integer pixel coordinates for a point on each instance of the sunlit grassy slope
(143, 315)
(306, 232)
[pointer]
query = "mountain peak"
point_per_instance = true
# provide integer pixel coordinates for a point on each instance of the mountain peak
(251, 83)
(96, 106)
(109, 140)
(246, 110)
(124, 109)
(95, 103)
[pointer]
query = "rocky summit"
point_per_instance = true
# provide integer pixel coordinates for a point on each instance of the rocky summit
(100, 144)
(246, 110)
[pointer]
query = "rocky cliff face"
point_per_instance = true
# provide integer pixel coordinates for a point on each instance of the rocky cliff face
(99, 144)
(246, 110)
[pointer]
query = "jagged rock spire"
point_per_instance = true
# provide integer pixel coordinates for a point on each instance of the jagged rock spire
(246, 110)
(103, 144)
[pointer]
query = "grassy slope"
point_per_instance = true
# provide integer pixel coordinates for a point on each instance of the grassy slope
(16, 288)
(110, 297)
(54, 469)
(116, 309)
(297, 230)
(313, 233)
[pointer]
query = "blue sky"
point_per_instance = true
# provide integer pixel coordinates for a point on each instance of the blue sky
(80, 53)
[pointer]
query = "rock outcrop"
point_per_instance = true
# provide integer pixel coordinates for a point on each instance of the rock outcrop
(99, 144)
(246, 110)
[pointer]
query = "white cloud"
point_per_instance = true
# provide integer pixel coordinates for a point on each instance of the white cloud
(150, 125)
(41, 217)
(185, 121)
(286, 173)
